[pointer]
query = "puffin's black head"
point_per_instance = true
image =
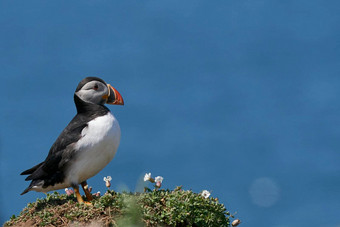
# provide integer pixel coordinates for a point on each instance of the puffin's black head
(95, 90)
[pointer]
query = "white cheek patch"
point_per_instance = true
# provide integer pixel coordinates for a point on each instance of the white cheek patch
(88, 94)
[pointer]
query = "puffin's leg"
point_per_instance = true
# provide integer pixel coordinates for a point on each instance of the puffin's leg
(76, 191)
(79, 198)
(86, 190)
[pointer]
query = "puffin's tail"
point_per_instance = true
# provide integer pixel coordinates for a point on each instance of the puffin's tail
(27, 189)
(32, 184)
(31, 170)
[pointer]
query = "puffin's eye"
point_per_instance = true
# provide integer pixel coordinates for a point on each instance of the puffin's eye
(95, 87)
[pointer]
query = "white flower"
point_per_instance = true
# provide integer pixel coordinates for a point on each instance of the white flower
(205, 194)
(147, 177)
(69, 191)
(108, 178)
(236, 222)
(96, 194)
(107, 181)
(159, 179)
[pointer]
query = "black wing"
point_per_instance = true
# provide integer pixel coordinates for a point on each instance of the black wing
(52, 169)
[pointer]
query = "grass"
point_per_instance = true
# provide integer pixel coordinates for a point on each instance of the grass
(153, 208)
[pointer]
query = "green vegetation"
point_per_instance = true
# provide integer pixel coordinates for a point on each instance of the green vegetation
(153, 208)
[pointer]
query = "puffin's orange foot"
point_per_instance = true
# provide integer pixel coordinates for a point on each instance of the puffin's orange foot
(86, 190)
(79, 198)
(88, 203)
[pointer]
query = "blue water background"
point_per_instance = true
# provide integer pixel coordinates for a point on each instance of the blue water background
(239, 97)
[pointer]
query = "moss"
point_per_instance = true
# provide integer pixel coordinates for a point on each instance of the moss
(153, 208)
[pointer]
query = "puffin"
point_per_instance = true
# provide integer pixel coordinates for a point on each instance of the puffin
(87, 144)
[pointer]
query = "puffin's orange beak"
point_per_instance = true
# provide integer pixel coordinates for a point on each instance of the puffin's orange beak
(113, 97)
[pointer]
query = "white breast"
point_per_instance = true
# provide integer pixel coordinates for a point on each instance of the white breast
(97, 147)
